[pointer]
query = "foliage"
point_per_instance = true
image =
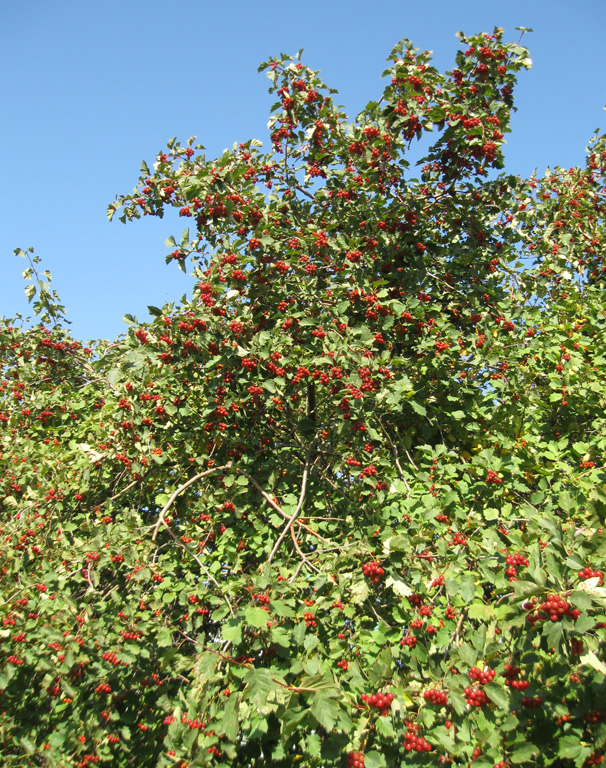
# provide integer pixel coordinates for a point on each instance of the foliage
(345, 505)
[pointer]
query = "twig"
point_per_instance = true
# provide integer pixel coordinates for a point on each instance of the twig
(396, 459)
(379, 619)
(410, 460)
(274, 504)
(450, 288)
(128, 487)
(301, 553)
(187, 637)
(295, 514)
(209, 575)
(88, 578)
(455, 635)
(180, 490)
(336, 548)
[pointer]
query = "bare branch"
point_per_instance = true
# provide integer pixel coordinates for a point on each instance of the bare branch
(180, 490)
(208, 574)
(411, 461)
(295, 514)
(274, 504)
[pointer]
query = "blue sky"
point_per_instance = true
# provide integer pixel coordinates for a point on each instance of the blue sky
(90, 89)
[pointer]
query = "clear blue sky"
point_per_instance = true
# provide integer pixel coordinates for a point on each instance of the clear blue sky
(89, 89)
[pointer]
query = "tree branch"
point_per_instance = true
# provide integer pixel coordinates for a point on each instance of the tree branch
(180, 490)
(295, 514)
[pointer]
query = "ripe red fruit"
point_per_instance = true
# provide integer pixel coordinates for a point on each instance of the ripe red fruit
(355, 760)
(433, 696)
(380, 701)
(373, 571)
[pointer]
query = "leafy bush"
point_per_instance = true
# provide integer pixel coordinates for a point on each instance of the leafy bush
(345, 505)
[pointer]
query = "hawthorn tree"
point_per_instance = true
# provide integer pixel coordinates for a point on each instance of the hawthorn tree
(345, 505)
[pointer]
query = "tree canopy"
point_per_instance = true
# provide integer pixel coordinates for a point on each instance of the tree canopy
(344, 505)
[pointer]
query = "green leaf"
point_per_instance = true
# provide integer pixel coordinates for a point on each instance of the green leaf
(399, 587)
(444, 738)
(385, 727)
(161, 500)
(310, 642)
(299, 633)
(468, 590)
(280, 608)
(498, 695)
(232, 631)
(325, 709)
(359, 592)
(569, 747)
(592, 660)
(28, 745)
(228, 723)
(280, 636)
(256, 617)
(418, 408)
(480, 611)
(292, 720)
(374, 759)
(261, 688)
(524, 754)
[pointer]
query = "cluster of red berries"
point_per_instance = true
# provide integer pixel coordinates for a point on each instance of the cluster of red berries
(518, 559)
(15, 660)
(554, 608)
(380, 701)
(193, 725)
(482, 676)
(458, 539)
(414, 743)
(576, 647)
(261, 599)
(103, 688)
(373, 571)
(589, 573)
(475, 697)
(86, 759)
(309, 619)
(492, 477)
(355, 760)
(343, 664)
(532, 702)
(236, 327)
(515, 561)
(112, 658)
(131, 635)
(433, 696)
(512, 678)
